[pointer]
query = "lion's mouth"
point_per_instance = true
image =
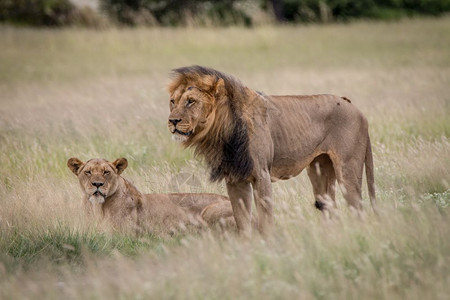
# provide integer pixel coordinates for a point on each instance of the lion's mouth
(182, 133)
(98, 197)
(99, 193)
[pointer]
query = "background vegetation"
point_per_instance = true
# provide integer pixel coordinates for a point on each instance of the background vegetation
(210, 13)
(343, 10)
(84, 93)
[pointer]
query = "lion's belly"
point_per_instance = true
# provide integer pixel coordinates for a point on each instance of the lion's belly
(299, 127)
(286, 168)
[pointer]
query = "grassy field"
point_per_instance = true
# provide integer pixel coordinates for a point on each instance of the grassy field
(87, 94)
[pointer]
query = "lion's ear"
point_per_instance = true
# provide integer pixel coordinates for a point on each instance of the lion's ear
(219, 87)
(120, 164)
(74, 165)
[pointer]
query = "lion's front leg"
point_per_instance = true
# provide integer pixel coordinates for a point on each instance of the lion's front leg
(262, 191)
(240, 194)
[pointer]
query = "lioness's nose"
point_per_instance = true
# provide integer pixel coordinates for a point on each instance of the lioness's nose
(174, 121)
(97, 184)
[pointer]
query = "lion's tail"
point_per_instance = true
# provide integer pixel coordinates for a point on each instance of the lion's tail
(370, 175)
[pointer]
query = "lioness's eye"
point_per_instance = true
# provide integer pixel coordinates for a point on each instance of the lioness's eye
(106, 172)
(190, 102)
(87, 172)
(172, 101)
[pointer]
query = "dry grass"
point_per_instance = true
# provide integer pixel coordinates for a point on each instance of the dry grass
(101, 94)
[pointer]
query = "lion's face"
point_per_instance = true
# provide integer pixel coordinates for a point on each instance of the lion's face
(190, 112)
(98, 177)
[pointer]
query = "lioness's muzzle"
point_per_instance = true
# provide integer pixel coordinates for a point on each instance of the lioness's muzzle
(99, 193)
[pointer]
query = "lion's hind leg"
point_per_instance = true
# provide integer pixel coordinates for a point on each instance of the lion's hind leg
(323, 179)
(351, 183)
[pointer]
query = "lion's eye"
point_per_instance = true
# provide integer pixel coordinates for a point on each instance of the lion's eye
(189, 102)
(106, 172)
(87, 172)
(172, 101)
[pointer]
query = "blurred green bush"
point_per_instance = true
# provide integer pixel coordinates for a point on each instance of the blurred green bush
(210, 12)
(48, 13)
(175, 12)
(342, 10)
(36, 12)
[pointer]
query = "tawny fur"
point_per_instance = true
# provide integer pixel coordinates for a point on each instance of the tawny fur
(120, 202)
(250, 140)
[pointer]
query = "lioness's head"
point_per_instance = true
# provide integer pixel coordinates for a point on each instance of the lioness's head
(193, 101)
(98, 177)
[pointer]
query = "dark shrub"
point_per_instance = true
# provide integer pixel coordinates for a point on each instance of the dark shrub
(325, 10)
(48, 13)
(37, 12)
(175, 12)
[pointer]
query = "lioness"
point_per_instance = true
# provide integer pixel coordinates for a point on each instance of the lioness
(121, 202)
(251, 139)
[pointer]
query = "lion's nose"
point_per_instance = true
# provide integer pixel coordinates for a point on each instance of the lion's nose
(174, 121)
(97, 184)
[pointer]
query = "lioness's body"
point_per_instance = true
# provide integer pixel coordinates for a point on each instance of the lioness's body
(121, 202)
(250, 139)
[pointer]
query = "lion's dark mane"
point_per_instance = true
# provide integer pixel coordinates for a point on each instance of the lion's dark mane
(227, 155)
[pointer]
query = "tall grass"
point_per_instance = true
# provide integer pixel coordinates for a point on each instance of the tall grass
(101, 94)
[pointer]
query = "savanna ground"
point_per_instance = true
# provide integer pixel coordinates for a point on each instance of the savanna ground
(85, 93)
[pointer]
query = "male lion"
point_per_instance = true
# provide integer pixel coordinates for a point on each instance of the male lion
(121, 202)
(251, 139)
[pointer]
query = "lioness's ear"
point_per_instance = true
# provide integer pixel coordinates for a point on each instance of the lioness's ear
(120, 164)
(219, 88)
(74, 164)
